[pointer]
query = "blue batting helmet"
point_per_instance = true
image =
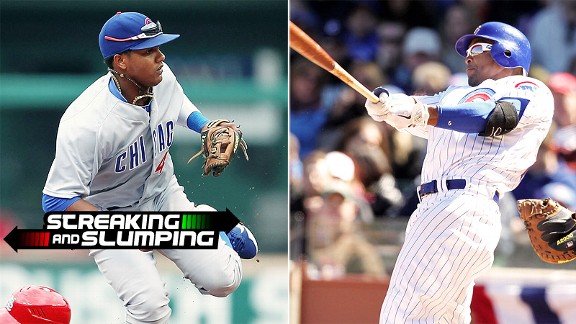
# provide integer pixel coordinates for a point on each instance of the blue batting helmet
(511, 48)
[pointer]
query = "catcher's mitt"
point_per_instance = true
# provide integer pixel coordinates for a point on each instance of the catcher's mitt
(551, 227)
(220, 141)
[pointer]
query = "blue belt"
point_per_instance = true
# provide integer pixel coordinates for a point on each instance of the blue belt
(432, 187)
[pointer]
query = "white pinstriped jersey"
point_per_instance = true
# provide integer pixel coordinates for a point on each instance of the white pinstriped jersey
(115, 154)
(451, 236)
(497, 161)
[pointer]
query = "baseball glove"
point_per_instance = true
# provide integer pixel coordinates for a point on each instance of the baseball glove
(220, 141)
(551, 227)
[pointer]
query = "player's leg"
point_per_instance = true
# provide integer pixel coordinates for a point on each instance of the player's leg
(449, 243)
(217, 272)
(134, 277)
(240, 238)
(214, 272)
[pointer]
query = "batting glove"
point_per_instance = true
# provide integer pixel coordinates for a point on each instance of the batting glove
(419, 115)
(401, 104)
(378, 110)
(412, 112)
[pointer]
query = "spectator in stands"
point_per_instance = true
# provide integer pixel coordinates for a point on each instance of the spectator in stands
(540, 173)
(315, 178)
(308, 111)
(360, 36)
(458, 20)
(296, 189)
(367, 143)
(336, 243)
(364, 131)
(479, 10)
(420, 45)
(295, 172)
(563, 87)
(322, 171)
(343, 172)
(412, 13)
(349, 104)
(304, 17)
(560, 192)
(430, 78)
(552, 35)
(390, 39)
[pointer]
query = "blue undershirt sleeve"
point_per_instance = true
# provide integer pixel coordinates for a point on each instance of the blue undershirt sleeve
(196, 121)
(55, 204)
(466, 118)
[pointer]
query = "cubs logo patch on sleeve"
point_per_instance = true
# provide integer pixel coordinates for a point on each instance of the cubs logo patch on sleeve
(482, 94)
(526, 86)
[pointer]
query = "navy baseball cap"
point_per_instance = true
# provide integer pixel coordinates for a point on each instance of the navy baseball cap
(131, 31)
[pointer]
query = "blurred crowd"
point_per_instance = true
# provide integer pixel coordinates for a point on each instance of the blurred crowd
(348, 172)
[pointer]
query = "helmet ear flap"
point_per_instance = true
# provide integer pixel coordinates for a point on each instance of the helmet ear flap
(498, 53)
(505, 55)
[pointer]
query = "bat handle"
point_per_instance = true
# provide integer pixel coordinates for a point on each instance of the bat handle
(373, 98)
(381, 93)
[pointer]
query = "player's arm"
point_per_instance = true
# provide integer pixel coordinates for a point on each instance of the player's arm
(395, 110)
(190, 116)
(56, 204)
(487, 118)
(72, 169)
(196, 121)
(81, 205)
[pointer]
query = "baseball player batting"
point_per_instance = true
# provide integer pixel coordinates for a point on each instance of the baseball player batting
(112, 153)
(481, 140)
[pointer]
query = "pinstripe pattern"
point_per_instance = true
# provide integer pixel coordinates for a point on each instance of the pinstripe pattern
(501, 160)
(442, 254)
(451, 237)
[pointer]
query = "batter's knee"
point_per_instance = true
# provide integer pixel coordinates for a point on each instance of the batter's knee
(148, 305)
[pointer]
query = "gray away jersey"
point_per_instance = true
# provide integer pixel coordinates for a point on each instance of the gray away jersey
(115, 154)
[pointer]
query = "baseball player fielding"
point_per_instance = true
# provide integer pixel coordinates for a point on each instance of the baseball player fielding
(112, 154)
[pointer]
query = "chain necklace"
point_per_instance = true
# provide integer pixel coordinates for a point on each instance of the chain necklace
(145, 93)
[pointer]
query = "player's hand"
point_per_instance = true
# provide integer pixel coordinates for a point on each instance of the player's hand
(410, 111)
(378, 110)
(401, 104)
(399, 107)
(398, 122)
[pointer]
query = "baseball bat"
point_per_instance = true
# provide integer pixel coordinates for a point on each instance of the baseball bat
(307, 47)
